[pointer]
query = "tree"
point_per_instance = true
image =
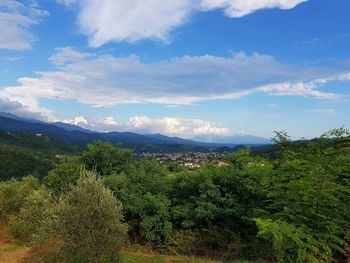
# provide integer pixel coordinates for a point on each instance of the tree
(144, 193)
(88, 220)
(106, 159)
(306, 215)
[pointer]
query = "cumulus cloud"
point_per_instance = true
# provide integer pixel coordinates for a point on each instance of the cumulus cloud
(16, 19)
(104, 81)
(184, 127)
(131, 20)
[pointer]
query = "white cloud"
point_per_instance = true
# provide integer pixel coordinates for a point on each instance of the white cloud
(297, 89)
(107, 80)
(66, 55)
(16, 19)
(184, 127)
(239, 8)
(132, 20)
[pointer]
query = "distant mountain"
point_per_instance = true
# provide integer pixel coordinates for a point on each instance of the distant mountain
(15, 117)
(178, 140)
(74, 134)
(237, 139)
(70, 127)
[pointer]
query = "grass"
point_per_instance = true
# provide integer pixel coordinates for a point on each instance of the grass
(132, 257)
(47, 253)
(9, 248)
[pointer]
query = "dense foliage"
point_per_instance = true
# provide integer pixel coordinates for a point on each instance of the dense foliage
(286, 203)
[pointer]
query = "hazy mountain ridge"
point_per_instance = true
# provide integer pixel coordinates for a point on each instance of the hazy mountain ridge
(234, 139)
(70, 133)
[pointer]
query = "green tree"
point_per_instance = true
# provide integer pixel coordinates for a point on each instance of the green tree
(143, 191)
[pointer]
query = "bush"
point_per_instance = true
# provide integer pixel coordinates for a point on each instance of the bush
(13, 194)
(26, 224)
(88, 220)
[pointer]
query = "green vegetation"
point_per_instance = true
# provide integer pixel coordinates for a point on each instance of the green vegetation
(288, 203)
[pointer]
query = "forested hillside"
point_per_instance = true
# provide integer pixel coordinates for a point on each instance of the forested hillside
(288, 203)
(22, 154)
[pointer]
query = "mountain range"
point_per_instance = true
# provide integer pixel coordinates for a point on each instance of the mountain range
(74, 134)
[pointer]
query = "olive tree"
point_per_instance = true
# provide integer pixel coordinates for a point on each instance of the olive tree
(88, 221)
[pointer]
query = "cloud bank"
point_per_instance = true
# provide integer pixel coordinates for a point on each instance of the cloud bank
(104, 21)
(17, 108)
(184, 127)
(104, 81)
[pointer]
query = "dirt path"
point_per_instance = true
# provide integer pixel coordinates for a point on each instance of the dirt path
(12, 253)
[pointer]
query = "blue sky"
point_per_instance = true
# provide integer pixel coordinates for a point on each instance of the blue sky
(188, 68)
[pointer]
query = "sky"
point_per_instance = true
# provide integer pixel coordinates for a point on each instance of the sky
(187, 68)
